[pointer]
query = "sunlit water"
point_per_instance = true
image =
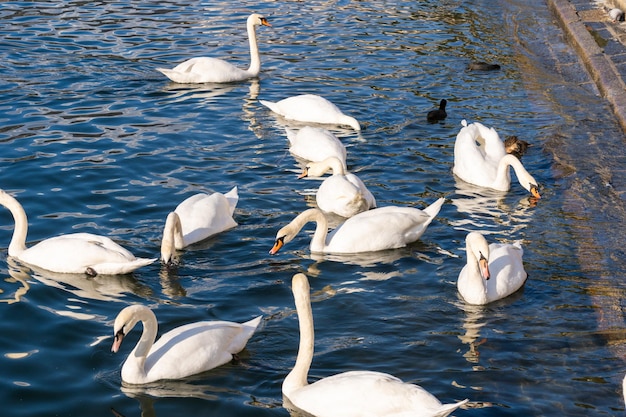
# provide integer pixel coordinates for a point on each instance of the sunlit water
(93, 139)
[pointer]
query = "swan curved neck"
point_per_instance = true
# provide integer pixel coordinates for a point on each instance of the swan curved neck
(148, 336)
(255, 57)
(172, 237)
(18, 240)
(318, 241)
(297, 378)
(503, 175)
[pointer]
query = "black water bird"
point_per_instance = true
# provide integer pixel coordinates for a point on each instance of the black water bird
(438, 114)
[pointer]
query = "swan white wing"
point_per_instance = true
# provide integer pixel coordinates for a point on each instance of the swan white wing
(367, 195)
(506, 268)
(492, 145)
(470, 162)
(338, 195)
(364, 393)
(74, 253)
(206, 70)
(204, 215)
(310, 108)
(194, 348)
(378, 229)
(315, 144)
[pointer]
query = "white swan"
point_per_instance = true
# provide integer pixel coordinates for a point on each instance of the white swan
(315, 144)
(492, 272)
(480, 159)
(354, 393)
(373, 230)
(181, 352)
(76, 253)
(311, 108)
(342, 193)
(197, 218)
(214, 70)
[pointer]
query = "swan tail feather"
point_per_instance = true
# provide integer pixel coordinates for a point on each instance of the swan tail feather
(434, 208)
(446, 409)
(270, 105)
(233, 197)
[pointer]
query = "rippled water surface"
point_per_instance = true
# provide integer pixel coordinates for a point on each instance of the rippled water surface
(94, 139)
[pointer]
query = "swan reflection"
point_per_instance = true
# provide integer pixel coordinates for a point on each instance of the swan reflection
(488, 210)
(17, 276)
(100, 287)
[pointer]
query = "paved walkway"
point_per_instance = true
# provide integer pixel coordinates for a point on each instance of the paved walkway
(600, 42)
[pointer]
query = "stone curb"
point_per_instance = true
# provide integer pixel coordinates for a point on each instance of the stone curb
(599, 65)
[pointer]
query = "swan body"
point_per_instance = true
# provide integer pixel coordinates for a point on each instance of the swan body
(315, 144)
(181, 352)
(373, 230)
(481, 159)
(214, 70)
(493, 271)
(311, 108)
(354, 393)
(75, 253)
(342, 193)
(197, 218)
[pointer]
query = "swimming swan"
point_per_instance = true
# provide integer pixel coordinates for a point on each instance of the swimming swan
(480, 159)
(76, 253)
(181, 352)
(311, 108)
(373, 230)
(354, 393)
(214, 70)
(315, 144)
(342, 193)
(492, 272)
(197, 218)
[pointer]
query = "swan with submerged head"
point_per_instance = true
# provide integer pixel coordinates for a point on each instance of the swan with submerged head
(480, 158)
(197, 218)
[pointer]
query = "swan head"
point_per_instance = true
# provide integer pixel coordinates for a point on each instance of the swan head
(172, 237)
(256, 19)
(284, 235)
(124, 323)
(319, 168)
(477, 245)
(529, 183)
(126, 320)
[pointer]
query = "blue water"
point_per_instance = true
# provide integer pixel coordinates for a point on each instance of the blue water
(93, 139)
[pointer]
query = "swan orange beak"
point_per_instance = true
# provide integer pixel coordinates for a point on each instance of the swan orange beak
(264, 22)
(117, 341)
(534, 190)
(279, 244)
(483, 265)
(305, 173)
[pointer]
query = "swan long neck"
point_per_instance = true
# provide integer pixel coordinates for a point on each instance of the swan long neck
(297, 378)
(255, 56)
(318, 241)
(18, 240)
(525, 179)
(473, 267)
(172, 237)
(148, 336)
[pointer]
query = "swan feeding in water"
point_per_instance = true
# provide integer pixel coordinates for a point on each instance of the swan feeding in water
(480, 158)
(353, 393)
(197, 218)
(75, 253)
(214, 70)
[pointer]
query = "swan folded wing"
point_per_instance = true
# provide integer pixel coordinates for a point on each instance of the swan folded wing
(203, 216)
(506, 265)
(74, 253)
(365, 393)
(379, 229)
(205, 70)
(191, 349)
